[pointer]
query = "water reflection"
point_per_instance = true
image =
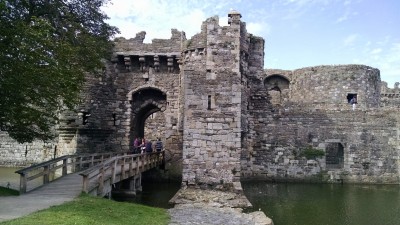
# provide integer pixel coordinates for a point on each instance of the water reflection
(328, 204)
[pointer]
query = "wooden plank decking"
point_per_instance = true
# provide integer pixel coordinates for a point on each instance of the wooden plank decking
(55, 193)
(69, 186)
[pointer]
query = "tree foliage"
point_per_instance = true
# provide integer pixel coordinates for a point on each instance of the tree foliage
(46, 48)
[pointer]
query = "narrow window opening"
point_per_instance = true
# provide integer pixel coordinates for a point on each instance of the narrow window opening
(209, 102)
(114, 118)
(85, 117)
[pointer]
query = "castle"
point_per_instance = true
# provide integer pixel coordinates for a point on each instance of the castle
(224, 118)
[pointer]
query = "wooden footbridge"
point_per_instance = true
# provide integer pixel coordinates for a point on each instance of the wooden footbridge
(99, 172)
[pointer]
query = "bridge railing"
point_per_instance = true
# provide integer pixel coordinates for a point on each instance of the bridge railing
(53, 169)
(98, 179)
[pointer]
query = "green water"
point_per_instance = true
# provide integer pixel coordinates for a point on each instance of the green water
(326, 204)
(305, 204)
(8, 176)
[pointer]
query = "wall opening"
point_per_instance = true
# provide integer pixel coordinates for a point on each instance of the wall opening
(114, 116)
(85, 117)
(148, 120)
(334, 156)
(350, 96)
(277, 87)
(209, 102)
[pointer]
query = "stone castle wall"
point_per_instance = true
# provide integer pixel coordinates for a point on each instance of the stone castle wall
(390, 97)
(134, 85)
(292, 111)
(14, 154)
(330, 85)
(212, 78)
(223, 118)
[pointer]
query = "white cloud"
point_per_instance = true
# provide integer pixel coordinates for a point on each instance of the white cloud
(386, 61)
(157, 17)
(342, 18)
(349, 40)
(259, 29)
(376, 51)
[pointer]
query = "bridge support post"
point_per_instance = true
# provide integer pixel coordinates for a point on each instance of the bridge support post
(64, 168)
(135, 183)
(22, 183)
(45, 174)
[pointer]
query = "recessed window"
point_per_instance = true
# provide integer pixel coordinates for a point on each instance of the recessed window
(334, 155)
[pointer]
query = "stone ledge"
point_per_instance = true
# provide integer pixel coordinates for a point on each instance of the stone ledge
(198, 206)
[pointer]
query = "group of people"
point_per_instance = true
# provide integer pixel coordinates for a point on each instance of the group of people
(140, 145)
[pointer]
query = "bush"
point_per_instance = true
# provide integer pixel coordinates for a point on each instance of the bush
(312, 153)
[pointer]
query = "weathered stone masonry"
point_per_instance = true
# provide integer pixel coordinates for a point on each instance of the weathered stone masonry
(223, 118)
(309, 108)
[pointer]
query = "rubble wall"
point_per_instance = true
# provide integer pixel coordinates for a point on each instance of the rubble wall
(14, 154)
(310, 119)
(212, 119)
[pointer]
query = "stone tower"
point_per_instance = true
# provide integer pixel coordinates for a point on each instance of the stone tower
(214, 74)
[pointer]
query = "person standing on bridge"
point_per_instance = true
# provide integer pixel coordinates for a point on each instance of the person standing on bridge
(159, 145)
(136, 144)
(149, 147)
(142, 145)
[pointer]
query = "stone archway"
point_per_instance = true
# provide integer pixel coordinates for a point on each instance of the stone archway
(277, 87)
(146, 102)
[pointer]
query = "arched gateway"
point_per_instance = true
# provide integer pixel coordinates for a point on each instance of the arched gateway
(147, 107)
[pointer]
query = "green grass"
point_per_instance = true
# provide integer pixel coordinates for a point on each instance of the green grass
(93, 210)
(8, 191)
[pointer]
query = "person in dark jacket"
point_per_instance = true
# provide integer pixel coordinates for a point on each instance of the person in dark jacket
(159, 145)
(149, 147)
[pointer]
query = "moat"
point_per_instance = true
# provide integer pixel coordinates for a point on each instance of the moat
(307, 204)
(294, 203)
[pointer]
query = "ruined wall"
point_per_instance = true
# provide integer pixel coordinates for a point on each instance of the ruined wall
(359, 146)
(14, 154)
(140, 79)
(390, 97)
(223, 118)
(213, 104)
(329, 86)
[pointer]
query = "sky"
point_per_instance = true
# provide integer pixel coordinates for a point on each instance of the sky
(297, 33)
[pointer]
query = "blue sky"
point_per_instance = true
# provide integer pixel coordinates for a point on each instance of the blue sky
(298, 33)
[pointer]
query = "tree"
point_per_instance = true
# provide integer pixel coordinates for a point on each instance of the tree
(46, 49)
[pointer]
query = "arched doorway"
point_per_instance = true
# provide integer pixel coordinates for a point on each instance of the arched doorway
(147, 118)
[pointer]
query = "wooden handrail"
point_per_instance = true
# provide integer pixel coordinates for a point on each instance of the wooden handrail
(72, 162)
(118, 168)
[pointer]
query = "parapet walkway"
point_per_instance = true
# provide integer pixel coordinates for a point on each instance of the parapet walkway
(54, 193)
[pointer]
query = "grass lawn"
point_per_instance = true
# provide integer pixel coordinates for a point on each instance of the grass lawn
(94, 210)
(8, 191)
